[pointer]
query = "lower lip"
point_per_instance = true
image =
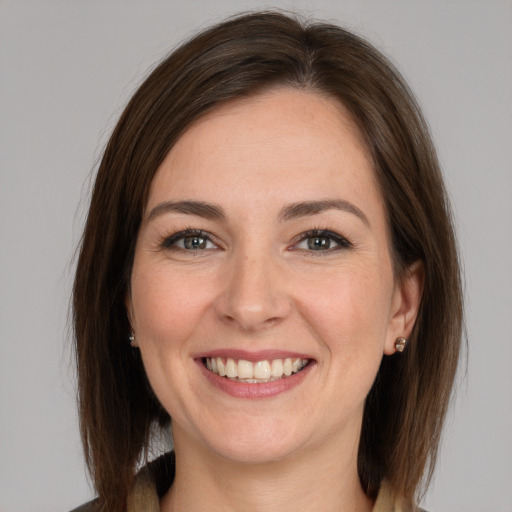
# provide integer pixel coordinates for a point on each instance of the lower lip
(256, 390)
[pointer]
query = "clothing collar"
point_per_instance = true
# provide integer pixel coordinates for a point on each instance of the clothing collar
(153, 480)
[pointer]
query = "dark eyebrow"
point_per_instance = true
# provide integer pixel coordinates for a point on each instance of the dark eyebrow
(199, 208)
(289, 212)
(306, 208)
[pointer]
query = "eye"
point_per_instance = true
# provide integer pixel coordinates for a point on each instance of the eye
(321, 240)
(189, 240)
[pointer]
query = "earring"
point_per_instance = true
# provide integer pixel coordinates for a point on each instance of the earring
(400, 344)
(131, 338)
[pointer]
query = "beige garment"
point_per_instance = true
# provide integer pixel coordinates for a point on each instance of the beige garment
(385, 500)
(144, 497)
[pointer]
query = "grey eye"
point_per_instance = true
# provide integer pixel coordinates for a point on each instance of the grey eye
(189, 241)
(322, 241)
(319, 243)
(195, 242)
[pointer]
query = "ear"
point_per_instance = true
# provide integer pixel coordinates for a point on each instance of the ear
(129, 313)
(405, 305)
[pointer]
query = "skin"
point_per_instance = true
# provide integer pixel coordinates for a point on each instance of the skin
(256, 284)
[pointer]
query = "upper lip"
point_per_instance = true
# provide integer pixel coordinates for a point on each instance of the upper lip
(253, 356)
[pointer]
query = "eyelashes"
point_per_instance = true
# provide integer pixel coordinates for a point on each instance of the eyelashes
(190, 240)
(321, 240)
(314, 241)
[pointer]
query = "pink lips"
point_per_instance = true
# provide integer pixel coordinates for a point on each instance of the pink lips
(257, 390)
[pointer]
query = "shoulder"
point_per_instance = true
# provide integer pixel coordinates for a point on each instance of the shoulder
(387, 501)
(90, 506)
(151, 483)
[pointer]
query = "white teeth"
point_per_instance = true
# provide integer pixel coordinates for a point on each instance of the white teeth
(259, 381)
(262, 370)
(287, 367)
(258, 372)
(220, 366)
(245, 369)
(231, 369)
(276, 370)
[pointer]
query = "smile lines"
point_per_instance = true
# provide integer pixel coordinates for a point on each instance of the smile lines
(254, 373)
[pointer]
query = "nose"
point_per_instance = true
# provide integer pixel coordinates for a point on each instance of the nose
(253, 295)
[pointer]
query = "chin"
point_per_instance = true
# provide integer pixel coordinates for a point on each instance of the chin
(257, 442)
(255, 452)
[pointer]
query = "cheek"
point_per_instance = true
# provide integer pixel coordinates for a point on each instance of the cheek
(167, 311)
(350, 313)
(167, 305)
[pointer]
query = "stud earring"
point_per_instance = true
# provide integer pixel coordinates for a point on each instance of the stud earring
(400, 344)
(131, 338)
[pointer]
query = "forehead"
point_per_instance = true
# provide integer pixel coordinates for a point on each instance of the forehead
(285, 143)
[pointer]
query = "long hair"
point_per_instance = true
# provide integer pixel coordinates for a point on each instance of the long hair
(240, 57)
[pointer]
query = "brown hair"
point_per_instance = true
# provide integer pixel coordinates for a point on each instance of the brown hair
(244, 55)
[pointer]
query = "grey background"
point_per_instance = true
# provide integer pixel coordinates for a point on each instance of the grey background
(66, 70)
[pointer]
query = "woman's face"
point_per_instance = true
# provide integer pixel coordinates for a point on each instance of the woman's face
(264, 246)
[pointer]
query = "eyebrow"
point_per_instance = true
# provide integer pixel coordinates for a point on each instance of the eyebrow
(306, 208)
(289, 212)
(199, 208)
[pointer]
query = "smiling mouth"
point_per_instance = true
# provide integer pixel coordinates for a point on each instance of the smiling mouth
(259, 372)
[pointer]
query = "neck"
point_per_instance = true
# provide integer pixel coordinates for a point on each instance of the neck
(319, 479)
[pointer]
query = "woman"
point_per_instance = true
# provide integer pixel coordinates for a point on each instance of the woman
(268, 261)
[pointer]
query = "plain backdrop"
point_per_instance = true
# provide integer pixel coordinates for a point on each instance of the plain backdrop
(66, 70)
